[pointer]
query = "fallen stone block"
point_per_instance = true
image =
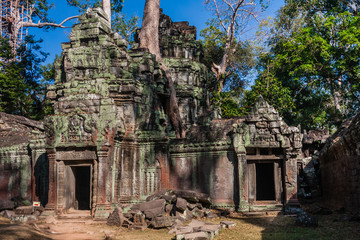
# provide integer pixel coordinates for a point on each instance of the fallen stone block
(154, 212)
(162, 222)
(181, 230)
(24, 210)
(191, 206)
(193, 236)
(139, 221)
(227, 224)
(185, 216)
(149, 205)
(127, 223)
(197, 213)
(190, 196)
(116, 218)
(169, 208)
(181, 204)
(196, 224)
(209, 214)
(304, 219)
(8, 214)
(212, 229)
(169, 198)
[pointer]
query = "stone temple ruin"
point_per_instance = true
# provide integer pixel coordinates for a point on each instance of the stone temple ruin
(110, 140)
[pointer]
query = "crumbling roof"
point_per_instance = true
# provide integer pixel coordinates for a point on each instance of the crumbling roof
(16, 130)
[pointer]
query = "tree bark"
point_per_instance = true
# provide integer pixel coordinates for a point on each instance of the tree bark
(149, 38)
(149, 34)
(220, 70)
(107, 9)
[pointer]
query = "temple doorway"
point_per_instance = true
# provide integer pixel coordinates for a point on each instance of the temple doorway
(265, 186)
(77, 187)
(82, 176)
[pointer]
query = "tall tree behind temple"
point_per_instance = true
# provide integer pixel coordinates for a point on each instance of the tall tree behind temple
(21, 90)
(230, 24)
(314, 53)
(18, 15)
(149, 38)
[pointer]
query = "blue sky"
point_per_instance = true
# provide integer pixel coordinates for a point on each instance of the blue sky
(192, 11)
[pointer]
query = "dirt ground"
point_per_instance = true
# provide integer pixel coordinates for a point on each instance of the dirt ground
(334, 226)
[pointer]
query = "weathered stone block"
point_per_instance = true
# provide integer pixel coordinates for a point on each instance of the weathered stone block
(162, 222)
(194, 236)
(181, 204)
(158, 203)
(154, 212)
(116, 218)
(262, 124)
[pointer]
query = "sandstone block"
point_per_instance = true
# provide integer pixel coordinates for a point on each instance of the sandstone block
(154, 212)
(190, 196)
(196, 224)
(181, 204)
(162, 222)
(116, 218)
(227, 224)
(193, 236)
(149, 205)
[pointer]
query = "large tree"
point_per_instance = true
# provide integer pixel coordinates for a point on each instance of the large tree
(229, 27)
(22, 85)
(314, 49)
(149, 38)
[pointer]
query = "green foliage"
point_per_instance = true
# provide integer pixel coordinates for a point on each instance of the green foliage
(125, 26)
(241, 60)
(21, 89)
(40, 11)
(229, 104)
(314, 49)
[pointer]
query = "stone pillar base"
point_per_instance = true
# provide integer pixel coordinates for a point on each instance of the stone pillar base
(102, 211)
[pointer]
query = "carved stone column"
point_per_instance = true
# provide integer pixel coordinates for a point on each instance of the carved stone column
(103, 207)
(51, 205)
(239, 138)
(243, 182)
(291, 178)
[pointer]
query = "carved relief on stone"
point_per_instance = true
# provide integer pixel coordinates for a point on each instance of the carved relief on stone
(152, 174)
(80, 129)
(240, 137)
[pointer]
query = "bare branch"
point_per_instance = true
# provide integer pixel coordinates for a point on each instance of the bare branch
(218, 15)
(39, 24)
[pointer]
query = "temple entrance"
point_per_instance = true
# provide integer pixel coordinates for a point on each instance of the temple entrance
(77, 187)
(265, 176)
(265, 186)
(82, 187)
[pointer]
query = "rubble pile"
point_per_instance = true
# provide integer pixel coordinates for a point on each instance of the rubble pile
(163, 210)
(171, 209)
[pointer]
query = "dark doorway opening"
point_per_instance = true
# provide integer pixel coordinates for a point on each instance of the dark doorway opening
(82, 187)
(265, 186)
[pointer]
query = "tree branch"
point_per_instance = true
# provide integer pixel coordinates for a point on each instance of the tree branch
(39, 24)
(218, 15)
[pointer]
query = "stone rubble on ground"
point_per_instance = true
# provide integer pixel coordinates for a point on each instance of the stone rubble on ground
(170, 209)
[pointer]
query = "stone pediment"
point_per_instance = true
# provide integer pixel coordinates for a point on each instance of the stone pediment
(264, 128)
(262, 111)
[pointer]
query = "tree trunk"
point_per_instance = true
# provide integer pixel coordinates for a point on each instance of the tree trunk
(149, 35)
(107, 9)
(149, 38)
